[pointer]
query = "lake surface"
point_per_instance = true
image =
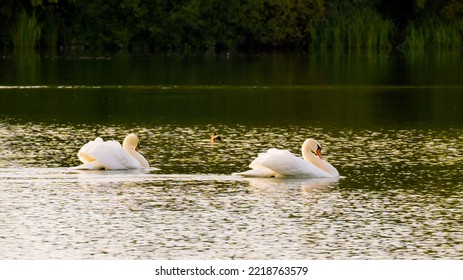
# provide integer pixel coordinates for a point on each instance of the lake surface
(391, 124)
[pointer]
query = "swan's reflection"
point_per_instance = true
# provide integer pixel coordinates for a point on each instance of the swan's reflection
(103, 172)
(85, 177)
(283, 184)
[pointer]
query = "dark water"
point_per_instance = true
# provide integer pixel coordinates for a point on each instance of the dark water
(392, 126)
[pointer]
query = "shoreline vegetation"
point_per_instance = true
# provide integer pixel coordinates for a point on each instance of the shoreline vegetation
(216, 26)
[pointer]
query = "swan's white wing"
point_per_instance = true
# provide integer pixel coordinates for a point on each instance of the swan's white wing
(112, 156)
(84, 152)
(105, 155)
(257, 169)
(284, 163)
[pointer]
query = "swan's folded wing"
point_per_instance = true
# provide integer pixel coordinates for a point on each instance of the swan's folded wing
(281, 162)
(112, 156)
(270, 164)
(263, 157)
(84, 153)
(257, 169)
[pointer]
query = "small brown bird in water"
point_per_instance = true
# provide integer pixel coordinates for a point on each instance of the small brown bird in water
(215, 137)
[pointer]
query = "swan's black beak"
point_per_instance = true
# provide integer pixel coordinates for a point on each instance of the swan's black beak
(137, 147)
(319, 152)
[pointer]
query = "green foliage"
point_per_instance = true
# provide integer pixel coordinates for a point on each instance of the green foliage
(26, 32)
(349, 27)
(41, 2)
(154, 25)
(420, 3)
(453, 10)
(186, 26)
(279, 22)
(434, 33)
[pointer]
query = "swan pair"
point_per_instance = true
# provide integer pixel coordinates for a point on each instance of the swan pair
(99, 154)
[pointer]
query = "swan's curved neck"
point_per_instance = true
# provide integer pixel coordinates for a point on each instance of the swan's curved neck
(129, 149)
(310, 157)
(306, 152)
(320, 163)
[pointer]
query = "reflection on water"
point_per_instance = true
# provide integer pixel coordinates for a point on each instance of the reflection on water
(399, 197)
(263, 105)
(390, 125)
(30, 69)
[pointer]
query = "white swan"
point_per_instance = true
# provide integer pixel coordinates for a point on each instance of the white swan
(282, 163)
(99, 154)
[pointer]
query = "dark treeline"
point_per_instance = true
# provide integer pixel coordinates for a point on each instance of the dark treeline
(243, 25)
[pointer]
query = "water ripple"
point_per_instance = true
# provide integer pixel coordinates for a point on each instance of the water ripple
(399, 197)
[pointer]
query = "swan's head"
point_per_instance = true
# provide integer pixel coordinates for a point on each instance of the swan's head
(132, 141)
(313, 146)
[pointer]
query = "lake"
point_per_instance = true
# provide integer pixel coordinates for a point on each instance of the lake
(391, 124)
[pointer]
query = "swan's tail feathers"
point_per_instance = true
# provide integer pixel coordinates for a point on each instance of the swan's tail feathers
(93, 165)
(84, 157)
(261, 173)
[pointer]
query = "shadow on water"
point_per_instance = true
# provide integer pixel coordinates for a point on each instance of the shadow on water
(338, 106)
(358, 90)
